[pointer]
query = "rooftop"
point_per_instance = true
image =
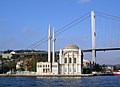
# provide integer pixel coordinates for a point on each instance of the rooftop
(71, 46)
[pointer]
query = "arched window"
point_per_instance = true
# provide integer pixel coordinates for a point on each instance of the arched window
(65, 60)
(74, 60)
(70, 61)
(43, 70)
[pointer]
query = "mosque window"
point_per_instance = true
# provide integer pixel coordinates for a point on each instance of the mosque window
(70, 70)
(43, 70)
(43, 65)
(74, 60)
(74, 69)
(65, 60)
(39, 65)
(70, 60)
(65, 69)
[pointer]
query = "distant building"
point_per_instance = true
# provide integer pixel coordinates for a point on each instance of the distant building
(6, 55)
(108, 67)
(23, 55)
(86, 63)
(19, 63)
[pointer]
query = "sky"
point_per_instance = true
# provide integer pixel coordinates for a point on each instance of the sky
(24, 22)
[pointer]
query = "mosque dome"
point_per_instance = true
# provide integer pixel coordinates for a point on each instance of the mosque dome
(71, 46)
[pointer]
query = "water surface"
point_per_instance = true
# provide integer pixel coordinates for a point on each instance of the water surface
(96, 81)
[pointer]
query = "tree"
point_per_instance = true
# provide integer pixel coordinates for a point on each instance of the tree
(12, 66)
(97, 67)
(27, 65)
(33, 63)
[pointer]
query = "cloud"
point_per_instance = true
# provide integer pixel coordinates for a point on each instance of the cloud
(28, 31)
(2, 20)
(83, 1)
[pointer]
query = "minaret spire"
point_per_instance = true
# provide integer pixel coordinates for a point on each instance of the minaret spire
(49, 45)
(53, 40)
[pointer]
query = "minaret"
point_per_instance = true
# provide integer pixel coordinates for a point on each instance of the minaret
(49, 47)
(53, 40)
(60, 56)
(80, 62)
(93, 36)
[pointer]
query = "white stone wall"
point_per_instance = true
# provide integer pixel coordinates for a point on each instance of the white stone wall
(43, 68)
(55, 68)
(70, 66)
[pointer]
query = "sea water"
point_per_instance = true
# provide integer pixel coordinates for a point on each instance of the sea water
(95, 81)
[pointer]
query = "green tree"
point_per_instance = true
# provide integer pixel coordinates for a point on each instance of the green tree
(27, 65)
(12, 65)
(33, 63)
(97, 67)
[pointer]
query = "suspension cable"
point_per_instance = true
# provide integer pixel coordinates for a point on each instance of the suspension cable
(61, 30)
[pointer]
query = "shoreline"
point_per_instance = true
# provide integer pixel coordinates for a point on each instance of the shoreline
(29, 75)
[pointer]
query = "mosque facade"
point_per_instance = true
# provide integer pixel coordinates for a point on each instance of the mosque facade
(70, 60)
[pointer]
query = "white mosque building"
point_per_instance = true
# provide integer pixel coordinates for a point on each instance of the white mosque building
(70, 60)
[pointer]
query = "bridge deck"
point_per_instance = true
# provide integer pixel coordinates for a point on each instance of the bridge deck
(101, 49)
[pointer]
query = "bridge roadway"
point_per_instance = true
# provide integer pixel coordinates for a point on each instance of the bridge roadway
(101, 49)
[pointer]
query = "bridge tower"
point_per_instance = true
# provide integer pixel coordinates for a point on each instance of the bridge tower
(93, 36)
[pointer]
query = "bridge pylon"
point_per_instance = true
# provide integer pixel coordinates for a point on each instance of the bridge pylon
(93, 36)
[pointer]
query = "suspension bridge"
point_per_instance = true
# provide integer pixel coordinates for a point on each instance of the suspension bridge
(103, 32)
